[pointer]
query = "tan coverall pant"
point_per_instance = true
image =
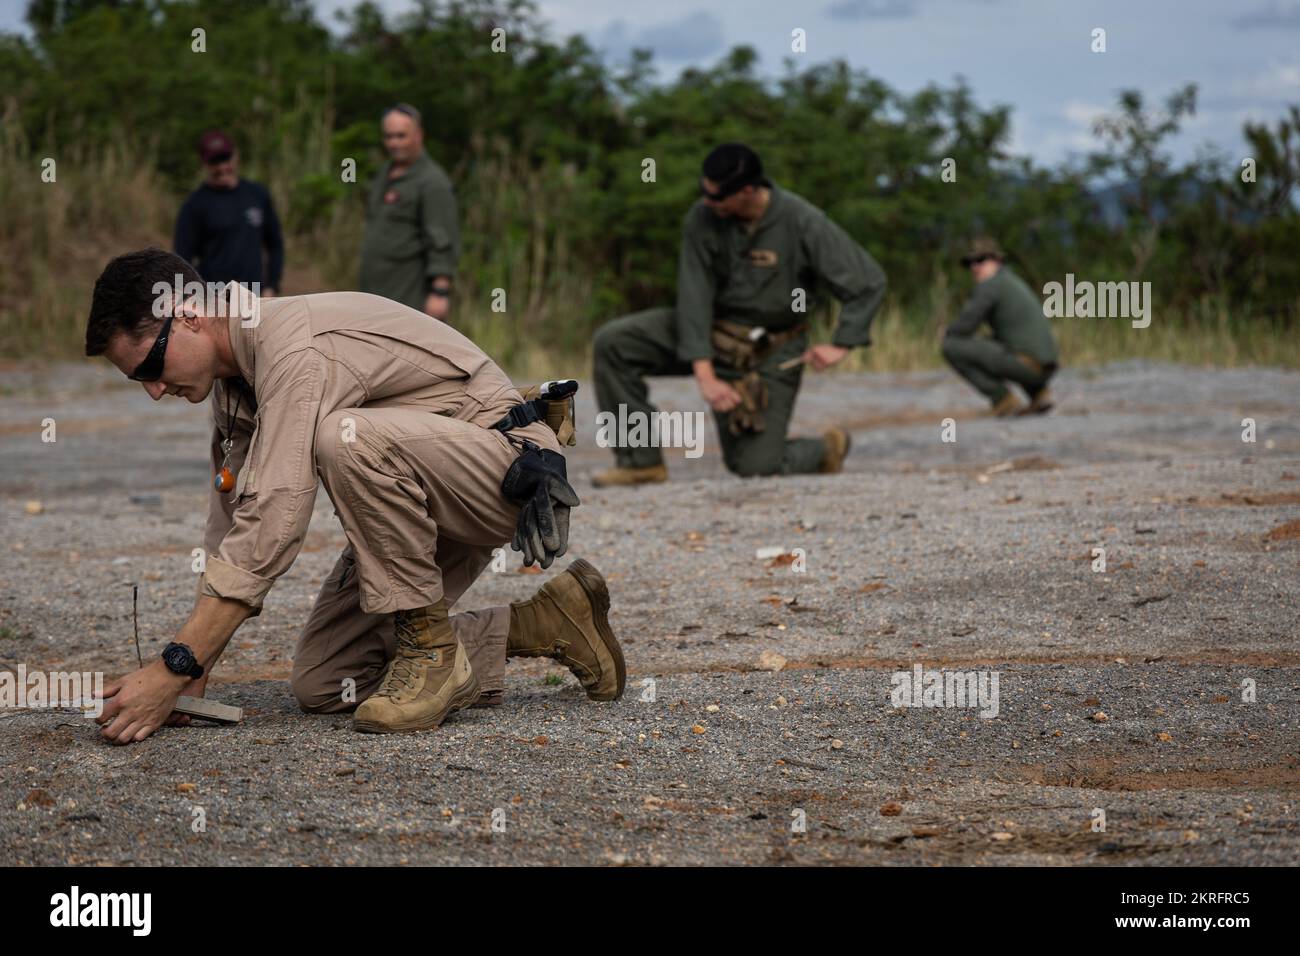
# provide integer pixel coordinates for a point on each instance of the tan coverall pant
(419, 497)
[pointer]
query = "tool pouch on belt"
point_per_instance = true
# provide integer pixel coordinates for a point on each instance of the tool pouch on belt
(743, 348)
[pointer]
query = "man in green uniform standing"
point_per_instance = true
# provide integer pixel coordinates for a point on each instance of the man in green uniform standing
(412, 239)
(754, 261)
(1021, 349)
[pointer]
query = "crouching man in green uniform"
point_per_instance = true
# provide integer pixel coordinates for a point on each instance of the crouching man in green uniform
(1021, 349)
(754, 260)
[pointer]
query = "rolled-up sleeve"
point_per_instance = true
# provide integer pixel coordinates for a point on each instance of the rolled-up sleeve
(276, 489)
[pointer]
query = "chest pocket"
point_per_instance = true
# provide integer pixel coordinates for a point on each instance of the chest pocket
(760, 275)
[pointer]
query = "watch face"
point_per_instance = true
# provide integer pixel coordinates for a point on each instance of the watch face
(177, 658)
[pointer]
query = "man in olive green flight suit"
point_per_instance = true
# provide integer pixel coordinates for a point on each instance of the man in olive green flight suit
(754, 261)
(412, 239)
(1021, 349)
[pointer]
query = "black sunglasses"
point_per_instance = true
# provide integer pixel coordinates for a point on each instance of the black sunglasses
(969, 261)
(151, 369)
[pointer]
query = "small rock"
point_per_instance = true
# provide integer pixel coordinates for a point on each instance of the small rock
(770, 661)
(1002, 836)
(186, 787)
(697, 729)
(781, 701)
(891, 808)
(837, 744)
(1100, 717)
(712, 708)
(33, 507)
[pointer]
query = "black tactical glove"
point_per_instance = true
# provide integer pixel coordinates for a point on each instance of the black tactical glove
(538, 483)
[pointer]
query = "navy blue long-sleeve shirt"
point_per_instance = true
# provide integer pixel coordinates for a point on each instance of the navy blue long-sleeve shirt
(222, 232)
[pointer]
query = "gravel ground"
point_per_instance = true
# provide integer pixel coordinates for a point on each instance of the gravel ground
(1120, 692)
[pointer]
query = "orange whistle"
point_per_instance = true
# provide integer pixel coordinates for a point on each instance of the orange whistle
(224, 481)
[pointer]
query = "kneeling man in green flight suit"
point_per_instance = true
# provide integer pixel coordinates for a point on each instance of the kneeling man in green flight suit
(1021, 349)
(754, 260)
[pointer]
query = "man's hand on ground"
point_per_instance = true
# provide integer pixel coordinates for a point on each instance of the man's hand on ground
(822, 357)
(139, 703)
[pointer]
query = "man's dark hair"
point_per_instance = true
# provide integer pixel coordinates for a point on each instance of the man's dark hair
(734, 166)
(124, 295)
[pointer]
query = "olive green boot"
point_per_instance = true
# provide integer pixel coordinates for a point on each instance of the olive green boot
(568, 621)
(428, 679)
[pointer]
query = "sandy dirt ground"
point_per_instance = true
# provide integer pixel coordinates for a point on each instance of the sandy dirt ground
(1160, 696)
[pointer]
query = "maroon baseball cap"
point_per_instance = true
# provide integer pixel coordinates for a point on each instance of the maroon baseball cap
(215, 146)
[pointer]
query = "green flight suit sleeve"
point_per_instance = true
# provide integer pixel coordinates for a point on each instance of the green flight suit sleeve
(696, 286)
(851, 275)
(439, 228)
(975, 311)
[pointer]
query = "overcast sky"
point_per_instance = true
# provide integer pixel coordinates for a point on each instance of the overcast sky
(1033, 55)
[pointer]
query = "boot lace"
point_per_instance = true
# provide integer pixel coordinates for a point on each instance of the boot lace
(403, 669)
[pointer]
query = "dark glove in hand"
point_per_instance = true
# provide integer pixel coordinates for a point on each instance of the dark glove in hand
(538, 483)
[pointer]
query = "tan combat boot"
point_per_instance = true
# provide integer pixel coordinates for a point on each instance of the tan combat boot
(837, 448)
(567, 620)
(1006, 406)
(619, 476)
(1040, 404)
(427, 680)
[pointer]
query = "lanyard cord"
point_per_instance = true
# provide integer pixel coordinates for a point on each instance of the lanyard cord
(230, 419)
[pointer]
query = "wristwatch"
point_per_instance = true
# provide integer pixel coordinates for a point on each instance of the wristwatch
(180, 660)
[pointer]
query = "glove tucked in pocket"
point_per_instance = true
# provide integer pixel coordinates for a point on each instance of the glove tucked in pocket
(538, 482)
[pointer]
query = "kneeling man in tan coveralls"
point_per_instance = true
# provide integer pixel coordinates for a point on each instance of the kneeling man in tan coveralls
(394, 414)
